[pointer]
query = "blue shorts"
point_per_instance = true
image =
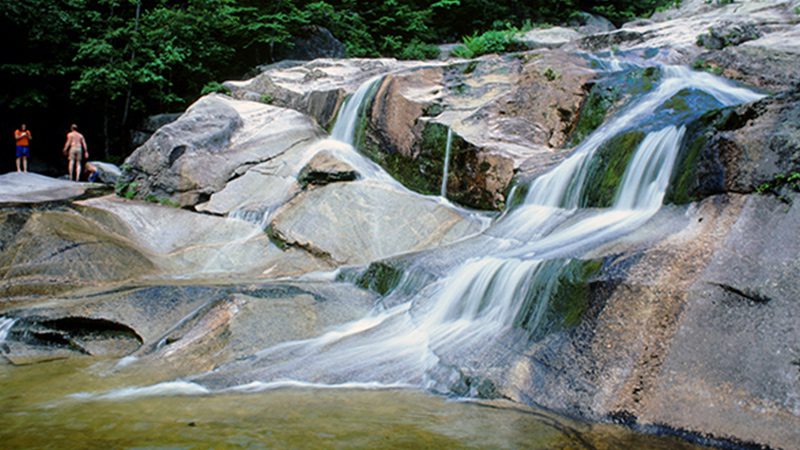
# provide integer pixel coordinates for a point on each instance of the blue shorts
(23, 150)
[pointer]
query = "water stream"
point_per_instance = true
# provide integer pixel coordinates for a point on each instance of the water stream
(445, 174)
(470, 319)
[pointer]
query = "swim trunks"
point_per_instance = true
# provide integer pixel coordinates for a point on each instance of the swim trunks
(23, 150)
(75, 153)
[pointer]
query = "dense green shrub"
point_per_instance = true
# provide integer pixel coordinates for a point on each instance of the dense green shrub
(492, 41)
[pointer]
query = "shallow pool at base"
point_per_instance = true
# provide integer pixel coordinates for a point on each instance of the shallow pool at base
(37, 411)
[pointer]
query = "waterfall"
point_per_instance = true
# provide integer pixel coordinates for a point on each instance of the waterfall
(446, 162)
(5, 327)
(470, 319)
(344, 130)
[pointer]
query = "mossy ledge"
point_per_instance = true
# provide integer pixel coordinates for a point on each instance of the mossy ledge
(607, 169)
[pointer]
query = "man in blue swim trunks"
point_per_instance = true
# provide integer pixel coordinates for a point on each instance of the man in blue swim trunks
(23, 138)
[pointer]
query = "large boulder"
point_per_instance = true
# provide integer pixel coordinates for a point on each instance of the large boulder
(108, 240)
(216, 139)
(500, 111)
(361, 221)
(178, 329)
(680, 31)
(150, 125)
(553, 37)
(769, 63)
(738, 149)
(688, 329)
(316, 88)
(30, 188)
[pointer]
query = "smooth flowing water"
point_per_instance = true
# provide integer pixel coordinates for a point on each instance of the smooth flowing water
(348, 387)
(445, 174)
(429, 337)
(37, 411)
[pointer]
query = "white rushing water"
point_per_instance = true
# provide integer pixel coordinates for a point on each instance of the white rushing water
(467, 319)
(5, 327)
(446, 171)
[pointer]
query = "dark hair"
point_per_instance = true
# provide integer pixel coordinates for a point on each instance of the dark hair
(74, 127)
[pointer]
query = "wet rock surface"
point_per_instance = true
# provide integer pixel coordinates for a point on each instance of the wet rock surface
(377, 222)
(324, 168)
(685, 332)
(739, 149)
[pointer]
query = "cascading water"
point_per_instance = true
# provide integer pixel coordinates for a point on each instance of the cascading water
(5, 327)
(445, 174)
(469, 318)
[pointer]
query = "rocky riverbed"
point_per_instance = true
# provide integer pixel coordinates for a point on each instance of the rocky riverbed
(249, 224)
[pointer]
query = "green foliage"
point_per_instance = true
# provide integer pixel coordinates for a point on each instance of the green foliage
(126, 190)
(700, 64)
(492, 41)
(109, 63)
(215, 87)
(781, 181)
(267, 98)
(551, 74)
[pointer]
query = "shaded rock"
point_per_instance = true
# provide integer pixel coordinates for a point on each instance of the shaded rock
(17, 187)
(358, 222)
(150, 125)
(728, 34)
(190, 159)
(768, 63)
(679, 30)
(192, 245)
(109, 240)
(324, 168)
(663, 343)
(58, 250)
(587, 23)
(739, 148)
(553, 37)
(184, 327)
(615, 38)
(313, 42)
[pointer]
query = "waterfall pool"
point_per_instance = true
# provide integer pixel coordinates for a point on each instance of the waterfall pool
(38, 410)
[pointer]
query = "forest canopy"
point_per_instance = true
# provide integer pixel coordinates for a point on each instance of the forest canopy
(109, 63)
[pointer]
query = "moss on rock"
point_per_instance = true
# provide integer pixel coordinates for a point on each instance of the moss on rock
(607, 169)
(609, 94)
(557, 297)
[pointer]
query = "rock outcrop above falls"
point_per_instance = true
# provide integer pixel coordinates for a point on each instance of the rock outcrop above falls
(504, 111)
(215, 140)
(739, 149)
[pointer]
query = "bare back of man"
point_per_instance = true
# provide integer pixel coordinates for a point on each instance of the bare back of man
(74, 149)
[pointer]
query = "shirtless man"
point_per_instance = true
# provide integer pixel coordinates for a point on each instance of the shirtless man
(73, 148)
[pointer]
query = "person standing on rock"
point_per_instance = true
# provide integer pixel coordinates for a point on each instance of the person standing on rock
(23, 138)
(73, 149)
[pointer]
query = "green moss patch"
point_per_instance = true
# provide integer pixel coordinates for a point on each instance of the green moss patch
(607, 169)
(557, 296)
(609, 94)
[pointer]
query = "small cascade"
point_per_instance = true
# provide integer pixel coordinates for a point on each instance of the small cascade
(6, 323)
(352, 110)
(469, 319)
(256, 217)
(445, 174)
